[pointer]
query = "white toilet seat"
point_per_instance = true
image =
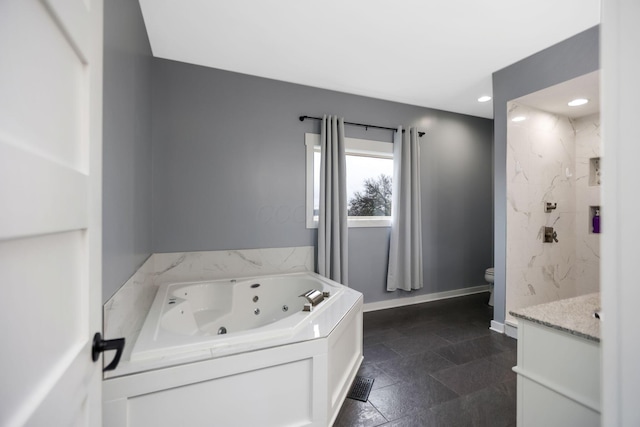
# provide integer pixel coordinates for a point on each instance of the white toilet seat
(488, 276)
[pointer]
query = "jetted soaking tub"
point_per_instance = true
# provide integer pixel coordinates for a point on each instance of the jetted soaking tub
(270, 360)
(218, 315)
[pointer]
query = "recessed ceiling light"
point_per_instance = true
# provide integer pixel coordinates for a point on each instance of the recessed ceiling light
(578, 101)
(484, 98)
(518, 119)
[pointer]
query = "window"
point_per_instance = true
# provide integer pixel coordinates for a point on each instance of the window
(369, 174)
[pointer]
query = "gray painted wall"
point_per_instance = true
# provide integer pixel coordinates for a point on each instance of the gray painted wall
(127, 144)
(566, 60)
(229, 173)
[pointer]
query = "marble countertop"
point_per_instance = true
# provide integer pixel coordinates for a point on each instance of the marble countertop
(572, 315)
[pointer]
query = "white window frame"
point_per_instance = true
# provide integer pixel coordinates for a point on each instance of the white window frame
(353, 146)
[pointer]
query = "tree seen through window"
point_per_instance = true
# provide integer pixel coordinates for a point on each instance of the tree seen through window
(374, 199)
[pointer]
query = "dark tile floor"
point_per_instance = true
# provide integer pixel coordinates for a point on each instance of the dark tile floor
(435, 364)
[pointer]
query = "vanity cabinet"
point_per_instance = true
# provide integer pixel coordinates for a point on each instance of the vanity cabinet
(558, 377)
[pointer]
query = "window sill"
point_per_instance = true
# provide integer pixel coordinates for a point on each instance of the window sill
(364, 222)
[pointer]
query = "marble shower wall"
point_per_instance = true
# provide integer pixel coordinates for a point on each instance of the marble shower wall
(541, 167)
(588, 146)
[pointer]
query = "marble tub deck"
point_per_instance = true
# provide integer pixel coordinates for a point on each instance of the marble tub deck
(124, 313)
(572, 315)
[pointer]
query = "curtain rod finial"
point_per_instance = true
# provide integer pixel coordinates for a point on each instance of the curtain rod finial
(302, 118)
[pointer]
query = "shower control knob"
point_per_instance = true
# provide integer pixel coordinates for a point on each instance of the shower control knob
(550, 235)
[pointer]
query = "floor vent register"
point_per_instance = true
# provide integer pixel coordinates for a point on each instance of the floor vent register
(360, 388)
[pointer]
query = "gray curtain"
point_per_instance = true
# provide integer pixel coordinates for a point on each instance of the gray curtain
(405, 251)
(332, 226)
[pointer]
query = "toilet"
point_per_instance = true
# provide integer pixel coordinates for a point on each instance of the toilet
(488, 276)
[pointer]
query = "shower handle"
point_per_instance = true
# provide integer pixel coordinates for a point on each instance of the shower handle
(550, 235)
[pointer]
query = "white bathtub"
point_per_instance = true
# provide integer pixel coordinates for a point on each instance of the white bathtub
(223, 314)
(293, 365)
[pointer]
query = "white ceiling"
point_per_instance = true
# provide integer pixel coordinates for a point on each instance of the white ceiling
(432, 53)
(554, 99)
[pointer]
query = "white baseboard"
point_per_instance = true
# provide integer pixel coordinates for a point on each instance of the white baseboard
(497, 327)
(400, 302)
(511, 328)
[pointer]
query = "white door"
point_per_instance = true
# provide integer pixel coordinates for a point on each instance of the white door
(50, 203)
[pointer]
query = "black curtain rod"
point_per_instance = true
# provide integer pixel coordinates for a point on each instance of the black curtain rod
(302, 119)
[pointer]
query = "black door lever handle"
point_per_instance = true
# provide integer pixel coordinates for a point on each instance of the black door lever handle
(100, 345)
